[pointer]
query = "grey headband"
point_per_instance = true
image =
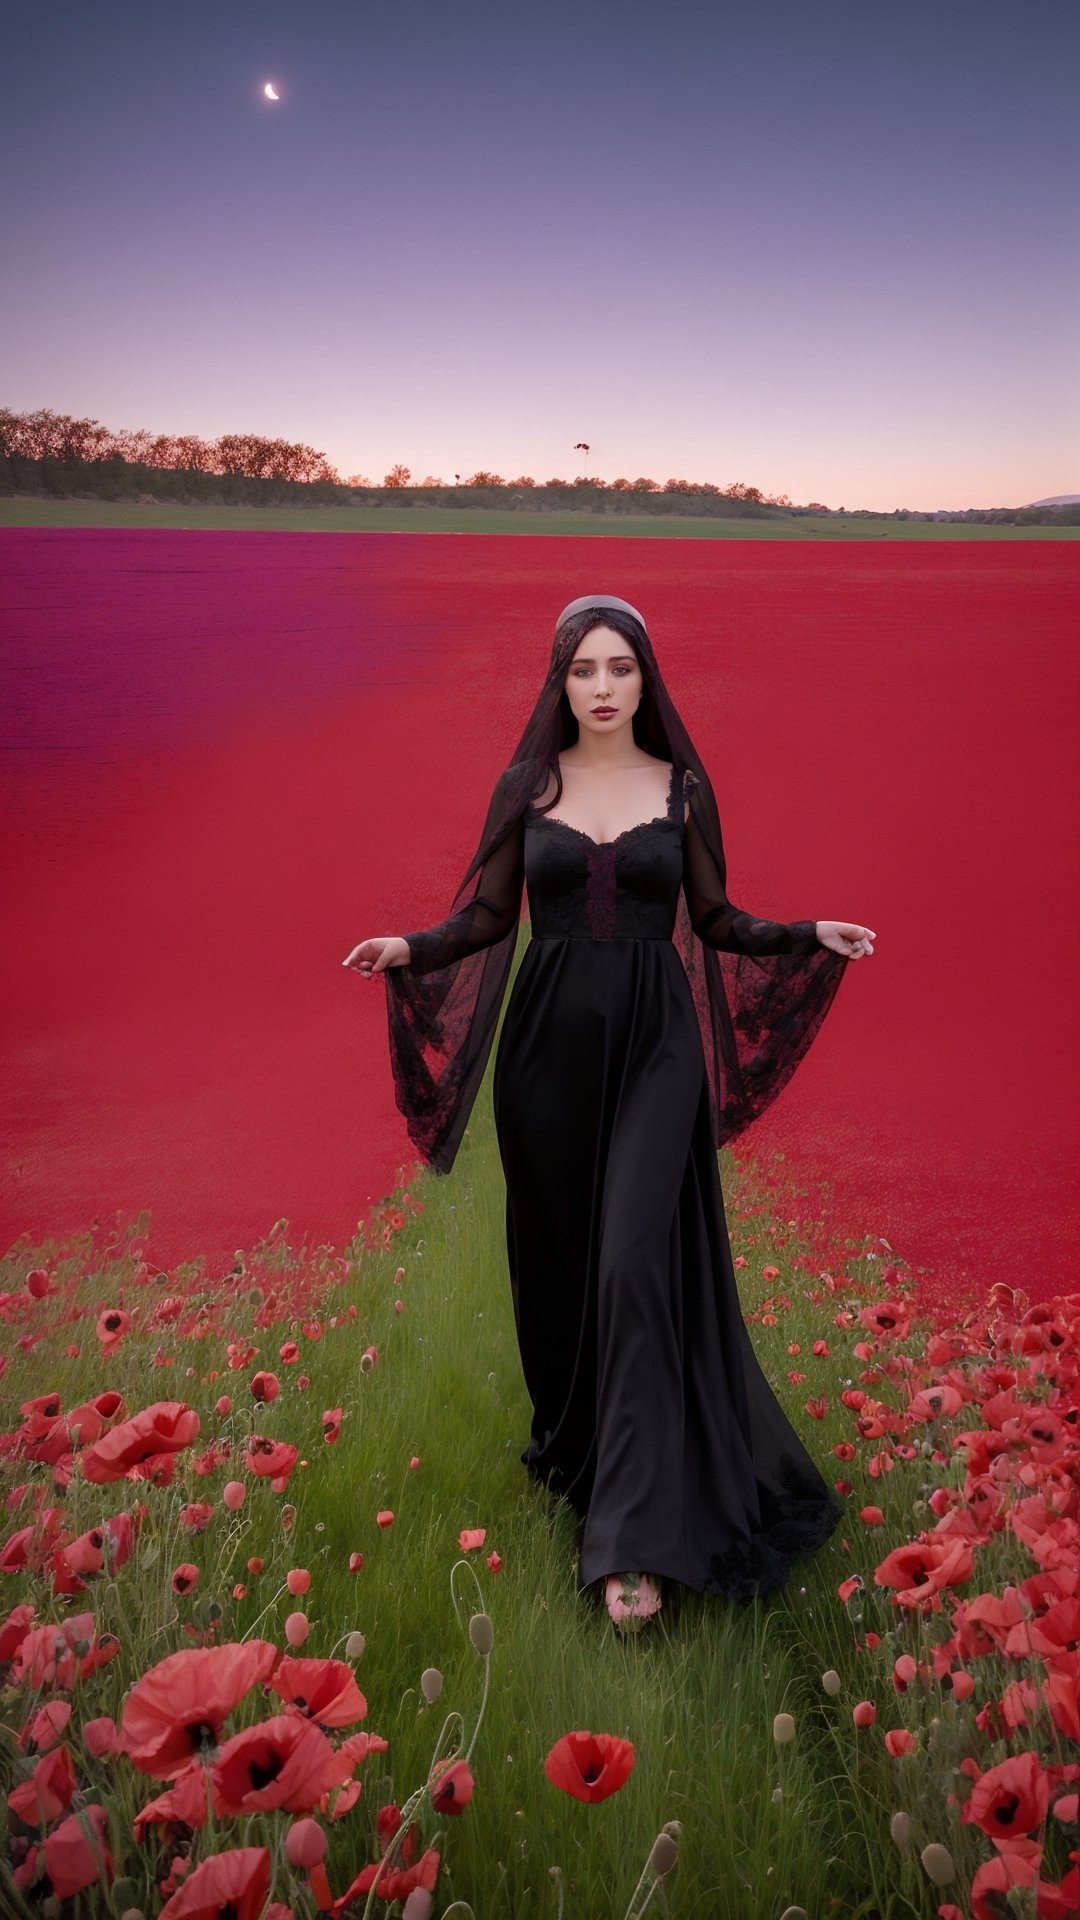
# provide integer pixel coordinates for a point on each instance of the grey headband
(598, 600)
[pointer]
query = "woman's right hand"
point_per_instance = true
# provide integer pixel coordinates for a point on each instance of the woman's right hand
(374, 956)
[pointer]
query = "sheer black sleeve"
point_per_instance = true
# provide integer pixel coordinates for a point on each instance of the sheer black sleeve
(714, 918)
(494, 909)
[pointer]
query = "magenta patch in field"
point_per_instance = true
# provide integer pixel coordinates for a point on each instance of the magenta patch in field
(205, 738)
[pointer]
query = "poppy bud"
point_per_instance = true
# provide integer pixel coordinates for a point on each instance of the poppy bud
(297, 1628)
(234, 1494)
(831, 1682)
(305, 1843)
(783, 1728)
(431, 1684)
(354, 1645)
(419, 1905)
(100, 1736)
(900, 1828)
(938, 1863)
(481, 1632)
(664, 1854)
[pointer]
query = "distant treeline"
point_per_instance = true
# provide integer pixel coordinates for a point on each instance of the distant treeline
(45, 454)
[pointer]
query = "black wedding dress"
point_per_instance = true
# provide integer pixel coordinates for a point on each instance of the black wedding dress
(651, 1415)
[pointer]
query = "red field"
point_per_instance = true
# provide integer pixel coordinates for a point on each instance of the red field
(204, 737)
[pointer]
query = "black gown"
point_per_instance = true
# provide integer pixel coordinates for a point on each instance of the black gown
(651, 1415)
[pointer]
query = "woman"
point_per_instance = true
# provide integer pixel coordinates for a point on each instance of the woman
(650, 1021)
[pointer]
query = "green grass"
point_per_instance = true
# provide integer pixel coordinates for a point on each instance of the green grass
(26, 512)
(764, 1827)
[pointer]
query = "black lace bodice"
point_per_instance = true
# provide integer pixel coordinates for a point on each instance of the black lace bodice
(625, 888)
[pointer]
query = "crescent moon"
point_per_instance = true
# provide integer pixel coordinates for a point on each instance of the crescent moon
(269, 91)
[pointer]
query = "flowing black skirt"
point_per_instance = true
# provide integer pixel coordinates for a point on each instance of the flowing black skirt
(651, 1414)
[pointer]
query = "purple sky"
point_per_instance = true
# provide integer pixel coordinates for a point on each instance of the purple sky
(829, 251)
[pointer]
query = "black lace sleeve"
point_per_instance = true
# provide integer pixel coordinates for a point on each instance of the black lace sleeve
(494, 909)
(714, 918)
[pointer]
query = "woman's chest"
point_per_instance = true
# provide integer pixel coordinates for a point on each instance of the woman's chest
(621, 888)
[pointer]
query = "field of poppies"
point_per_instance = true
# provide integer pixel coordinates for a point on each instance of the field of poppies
(287, 1632)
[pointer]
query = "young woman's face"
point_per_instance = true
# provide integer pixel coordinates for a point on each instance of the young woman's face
(604, 673)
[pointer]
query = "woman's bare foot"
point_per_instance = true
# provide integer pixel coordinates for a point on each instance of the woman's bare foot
(631, 1599)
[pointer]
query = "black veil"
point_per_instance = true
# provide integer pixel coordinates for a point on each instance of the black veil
(758, 1012)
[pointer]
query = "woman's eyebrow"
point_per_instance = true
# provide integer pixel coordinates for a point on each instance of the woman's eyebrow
(586, 660)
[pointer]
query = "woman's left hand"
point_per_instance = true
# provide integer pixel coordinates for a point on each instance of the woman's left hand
(846, 937)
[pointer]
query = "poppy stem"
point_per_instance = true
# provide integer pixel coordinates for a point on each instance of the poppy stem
(483, 1705)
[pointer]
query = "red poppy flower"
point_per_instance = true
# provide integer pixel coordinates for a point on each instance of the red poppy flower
(77, 1851)
(1010, 1799)
(112, 1326)
(235, 1883)
(322, 1690)
(14, 1630)
(185, 1804)
(165, 1428)
(175, 1712)
(920, 1571)
(47, 1726)
(49, 1656)
(197, 1515)
(589, 1766)
(48, 1792)
(265, 1386)
(185, 1578)
(84, 1555)
(452, 1788)
(356, 1748)
(87, 1423)
(286, 1762)
(270, 1459)
(395, 1883)
(331, 1422)
(471, 1538)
